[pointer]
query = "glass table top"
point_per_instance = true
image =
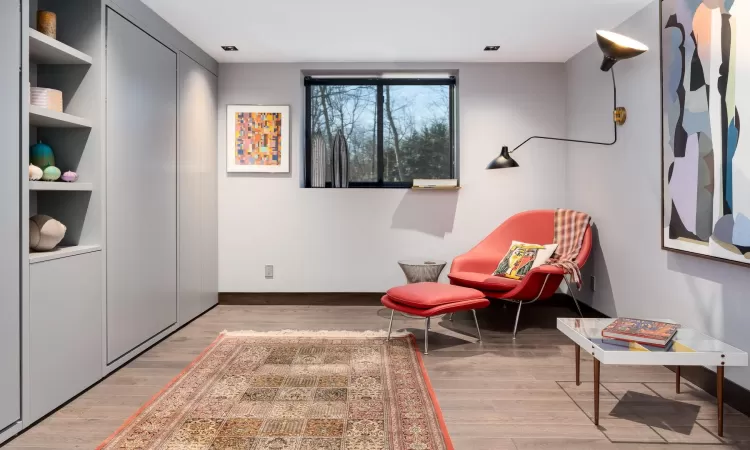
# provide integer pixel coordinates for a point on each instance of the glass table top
(688, 345)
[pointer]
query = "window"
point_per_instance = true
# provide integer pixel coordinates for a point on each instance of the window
(395, 130)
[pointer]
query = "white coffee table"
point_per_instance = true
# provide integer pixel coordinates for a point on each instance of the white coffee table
(690, 348)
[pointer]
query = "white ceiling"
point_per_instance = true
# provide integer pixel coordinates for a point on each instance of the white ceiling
(394, 30)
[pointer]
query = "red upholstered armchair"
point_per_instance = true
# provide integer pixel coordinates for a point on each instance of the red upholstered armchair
(474, 269)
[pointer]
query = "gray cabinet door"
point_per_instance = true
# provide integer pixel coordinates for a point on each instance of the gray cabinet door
(10, 251)
(65, 349)
(141, 186)
(197, 187)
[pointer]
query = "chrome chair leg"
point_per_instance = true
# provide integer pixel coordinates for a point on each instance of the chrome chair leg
(451, 317)
(390, 325)
(518, 314)
(520, 303)
(426, 331)
(575, 300)
(479, 333)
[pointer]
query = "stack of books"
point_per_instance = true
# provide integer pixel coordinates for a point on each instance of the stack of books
(654, 336)
(435, 184)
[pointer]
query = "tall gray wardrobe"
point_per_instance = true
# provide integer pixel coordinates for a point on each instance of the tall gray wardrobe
(139, 258)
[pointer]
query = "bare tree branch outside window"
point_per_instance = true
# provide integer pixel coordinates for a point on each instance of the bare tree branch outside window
(416, 129)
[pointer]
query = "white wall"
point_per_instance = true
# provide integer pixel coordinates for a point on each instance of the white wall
(349, 240)
(621, 188)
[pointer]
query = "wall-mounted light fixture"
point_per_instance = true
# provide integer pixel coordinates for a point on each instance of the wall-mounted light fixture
(615, 47)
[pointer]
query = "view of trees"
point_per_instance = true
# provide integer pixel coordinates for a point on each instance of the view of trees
(416, 129)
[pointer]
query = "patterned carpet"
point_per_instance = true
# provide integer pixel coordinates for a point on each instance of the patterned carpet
(294, 391)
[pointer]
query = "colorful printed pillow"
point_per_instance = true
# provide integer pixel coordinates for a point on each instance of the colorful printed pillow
(523, 257)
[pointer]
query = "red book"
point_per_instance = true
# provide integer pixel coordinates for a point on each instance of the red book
(642, 331)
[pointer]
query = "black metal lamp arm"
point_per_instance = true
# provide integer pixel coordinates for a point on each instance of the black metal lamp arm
(614, 85)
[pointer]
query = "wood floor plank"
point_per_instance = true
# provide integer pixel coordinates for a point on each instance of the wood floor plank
(498, 395)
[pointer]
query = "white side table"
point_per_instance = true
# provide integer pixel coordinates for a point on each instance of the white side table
(420, 271)
(690, 348)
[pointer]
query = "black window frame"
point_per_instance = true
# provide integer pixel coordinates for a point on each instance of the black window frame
(380, 83)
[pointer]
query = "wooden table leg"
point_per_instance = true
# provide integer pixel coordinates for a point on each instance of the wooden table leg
(677, 377)
(720, 397)
(596, 391)
(578, 365)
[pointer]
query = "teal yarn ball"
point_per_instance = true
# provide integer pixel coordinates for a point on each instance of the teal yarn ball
(41, 155)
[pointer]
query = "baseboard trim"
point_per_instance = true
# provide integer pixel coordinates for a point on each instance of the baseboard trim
(735, 395)
(300, 298)
(589, 311)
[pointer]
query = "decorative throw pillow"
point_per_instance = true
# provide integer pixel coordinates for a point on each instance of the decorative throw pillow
(523, 257)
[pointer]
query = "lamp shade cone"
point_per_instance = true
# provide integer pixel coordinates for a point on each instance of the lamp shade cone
(504, 161)
(617, 47)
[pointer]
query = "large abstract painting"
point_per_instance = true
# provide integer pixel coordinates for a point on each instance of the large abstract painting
(257, 138)
(706, 158)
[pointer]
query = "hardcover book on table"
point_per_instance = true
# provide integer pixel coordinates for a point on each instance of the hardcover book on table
(620, 345)
(642, 331)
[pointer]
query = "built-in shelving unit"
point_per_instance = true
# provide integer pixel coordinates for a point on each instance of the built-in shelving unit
(62, 288)
(45, 50)
(77, 319)
(42, 117)
(62, 252)
(59, 186)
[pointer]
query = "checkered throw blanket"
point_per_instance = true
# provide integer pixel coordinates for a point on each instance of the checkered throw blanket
(570, 227)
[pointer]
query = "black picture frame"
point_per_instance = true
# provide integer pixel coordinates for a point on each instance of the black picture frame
(379, 82)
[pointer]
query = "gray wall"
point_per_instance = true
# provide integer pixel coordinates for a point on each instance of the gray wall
(621, 188)
(349, 240)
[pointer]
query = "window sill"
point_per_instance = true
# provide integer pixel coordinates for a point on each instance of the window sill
(386, 188)
(447, 188)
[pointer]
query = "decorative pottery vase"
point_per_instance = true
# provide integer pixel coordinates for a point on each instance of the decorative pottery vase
(340, 151)
(45, 233)
(47, 98)
(41, 155)
(51, 173)
(46, 23)
(35, 173)
(318, 162)
(69, 176)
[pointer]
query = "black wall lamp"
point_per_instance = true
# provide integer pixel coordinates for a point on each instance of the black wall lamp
(615, 47)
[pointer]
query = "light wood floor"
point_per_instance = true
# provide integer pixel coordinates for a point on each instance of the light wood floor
(500, 395)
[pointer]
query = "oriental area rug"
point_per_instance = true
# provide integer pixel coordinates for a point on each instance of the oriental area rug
(294, 390)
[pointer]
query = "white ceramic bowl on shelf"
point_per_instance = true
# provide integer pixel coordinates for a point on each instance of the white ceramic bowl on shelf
(47, 98)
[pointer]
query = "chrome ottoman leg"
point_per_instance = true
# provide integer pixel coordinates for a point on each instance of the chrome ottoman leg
(426, 331)
(390, 325)
(479, 333)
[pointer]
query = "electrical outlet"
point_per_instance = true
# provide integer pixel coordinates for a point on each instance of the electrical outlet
(269, 271)
(593, 283)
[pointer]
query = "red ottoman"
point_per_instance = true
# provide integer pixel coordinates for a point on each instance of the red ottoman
(432, 299)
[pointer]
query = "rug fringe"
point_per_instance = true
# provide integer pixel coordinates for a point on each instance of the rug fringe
(316, 333)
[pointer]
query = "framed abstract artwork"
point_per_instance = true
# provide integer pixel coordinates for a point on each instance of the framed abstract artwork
(705, 54)
(258, 138)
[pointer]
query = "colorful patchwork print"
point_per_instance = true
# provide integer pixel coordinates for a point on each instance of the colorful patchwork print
(257, 139)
